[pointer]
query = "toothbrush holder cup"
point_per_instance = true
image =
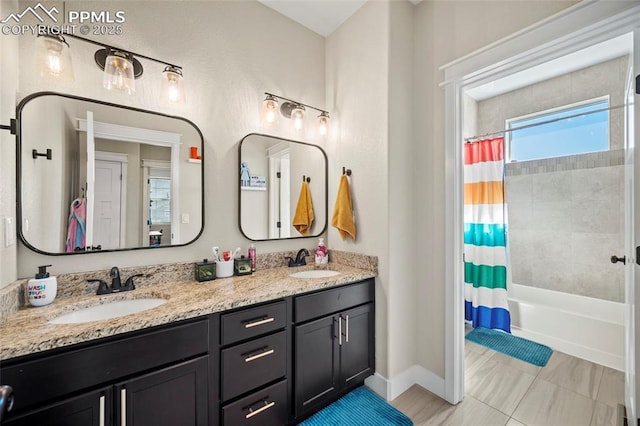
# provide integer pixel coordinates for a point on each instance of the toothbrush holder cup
(224, 269)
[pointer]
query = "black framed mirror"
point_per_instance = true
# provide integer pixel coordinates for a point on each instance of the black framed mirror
(94, 176)
(271, 171)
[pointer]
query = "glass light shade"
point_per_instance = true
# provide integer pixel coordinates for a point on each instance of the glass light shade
(323, 123)
(173, 85)
(118, 73)
(269, 114)
(297, 115)
(53, 59)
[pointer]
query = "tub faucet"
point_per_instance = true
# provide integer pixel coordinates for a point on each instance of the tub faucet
(300, 259)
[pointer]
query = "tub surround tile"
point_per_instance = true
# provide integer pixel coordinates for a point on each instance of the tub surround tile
(551, 187)
(574, 374)
(549, 404)
(26, 331)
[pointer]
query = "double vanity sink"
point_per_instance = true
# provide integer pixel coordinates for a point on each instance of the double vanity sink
(223, 350)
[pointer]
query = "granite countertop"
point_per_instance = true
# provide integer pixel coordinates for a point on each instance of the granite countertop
(27, 331)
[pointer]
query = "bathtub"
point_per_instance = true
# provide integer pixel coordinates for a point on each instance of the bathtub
(584, 327)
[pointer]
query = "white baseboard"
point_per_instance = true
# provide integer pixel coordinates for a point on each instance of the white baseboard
(414, 375)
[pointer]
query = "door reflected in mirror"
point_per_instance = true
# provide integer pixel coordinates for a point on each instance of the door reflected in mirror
(118, 178)
(274, 203)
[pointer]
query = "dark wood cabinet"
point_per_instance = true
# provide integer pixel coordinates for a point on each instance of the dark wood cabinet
(335, 352)
(154, 377)
(269, 364)
(89, 409)
(176, 395)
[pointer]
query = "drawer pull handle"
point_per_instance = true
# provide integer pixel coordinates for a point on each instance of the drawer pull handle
(260, 355)
(347, 327)
(260, 410)
(259, 322)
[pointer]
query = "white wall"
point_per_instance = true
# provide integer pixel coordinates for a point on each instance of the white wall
(232, 52)
(444, 31)
(357, 68)
(8, 89)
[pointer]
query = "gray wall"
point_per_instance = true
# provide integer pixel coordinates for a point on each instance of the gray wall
(566, 214)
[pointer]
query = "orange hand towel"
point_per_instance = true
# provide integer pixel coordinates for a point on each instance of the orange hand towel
(303, 218)
(343, 211)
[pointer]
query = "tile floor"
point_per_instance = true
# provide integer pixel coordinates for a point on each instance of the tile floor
(500, 390)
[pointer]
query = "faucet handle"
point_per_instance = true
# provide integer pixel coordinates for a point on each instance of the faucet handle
(129, 284)
(102, 286)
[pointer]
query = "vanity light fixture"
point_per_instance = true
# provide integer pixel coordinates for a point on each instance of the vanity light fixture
(121, 67)
(53, 59)
(172, 85)
(269, 113)
(290, 109)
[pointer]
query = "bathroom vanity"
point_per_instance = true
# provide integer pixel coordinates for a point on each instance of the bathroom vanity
(266, 349)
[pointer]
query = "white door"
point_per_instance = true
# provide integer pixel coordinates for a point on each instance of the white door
(107, 205)
(632, 239)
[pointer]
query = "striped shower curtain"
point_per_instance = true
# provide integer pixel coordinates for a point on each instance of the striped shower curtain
(485, 239)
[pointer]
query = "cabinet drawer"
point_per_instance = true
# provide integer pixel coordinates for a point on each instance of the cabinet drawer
(326, 302)
(265, 408)
(252, 364)
(253, 322)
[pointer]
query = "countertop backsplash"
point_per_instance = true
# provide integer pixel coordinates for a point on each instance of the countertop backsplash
(13, 296)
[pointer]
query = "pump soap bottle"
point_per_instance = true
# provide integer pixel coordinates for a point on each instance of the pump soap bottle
(42, 289)
(321, 253)
(252, 257)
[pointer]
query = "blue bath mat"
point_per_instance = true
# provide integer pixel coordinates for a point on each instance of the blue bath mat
(514, 346)
(360, 407)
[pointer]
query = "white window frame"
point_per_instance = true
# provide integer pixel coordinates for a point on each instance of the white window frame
(509, 121)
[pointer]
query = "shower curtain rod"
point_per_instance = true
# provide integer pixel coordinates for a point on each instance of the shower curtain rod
(468, 140)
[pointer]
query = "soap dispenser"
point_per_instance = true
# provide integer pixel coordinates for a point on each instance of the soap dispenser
(321, 253)
(42, 289)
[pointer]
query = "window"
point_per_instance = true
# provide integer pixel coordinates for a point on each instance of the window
(569, 130)
(160, 201)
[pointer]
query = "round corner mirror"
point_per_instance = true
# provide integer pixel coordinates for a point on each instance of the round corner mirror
(95, 176)
(271, 175)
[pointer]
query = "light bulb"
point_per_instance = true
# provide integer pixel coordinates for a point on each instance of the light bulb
(173, 85)
(269, 113)
(297, 115)
(323, 123)
(118, 72)
(53, 59)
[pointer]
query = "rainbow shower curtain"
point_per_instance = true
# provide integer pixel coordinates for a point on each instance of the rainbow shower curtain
(485, 239)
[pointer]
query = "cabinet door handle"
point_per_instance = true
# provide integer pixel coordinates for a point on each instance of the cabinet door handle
(258, 356)
(347, 327)
(123, 407)
(260, 410)
(340, 330)
(102, 410)
(259, 322)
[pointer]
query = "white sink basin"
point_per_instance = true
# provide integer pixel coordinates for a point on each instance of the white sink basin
(315, 273)
(107, 311)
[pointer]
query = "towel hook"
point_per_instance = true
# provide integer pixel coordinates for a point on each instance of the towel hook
(346, 171)
(306, 179)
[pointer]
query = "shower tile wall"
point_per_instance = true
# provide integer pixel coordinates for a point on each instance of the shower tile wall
(566, 214)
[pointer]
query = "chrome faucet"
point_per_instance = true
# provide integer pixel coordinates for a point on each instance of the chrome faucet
(300, 259)
(116, 283)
